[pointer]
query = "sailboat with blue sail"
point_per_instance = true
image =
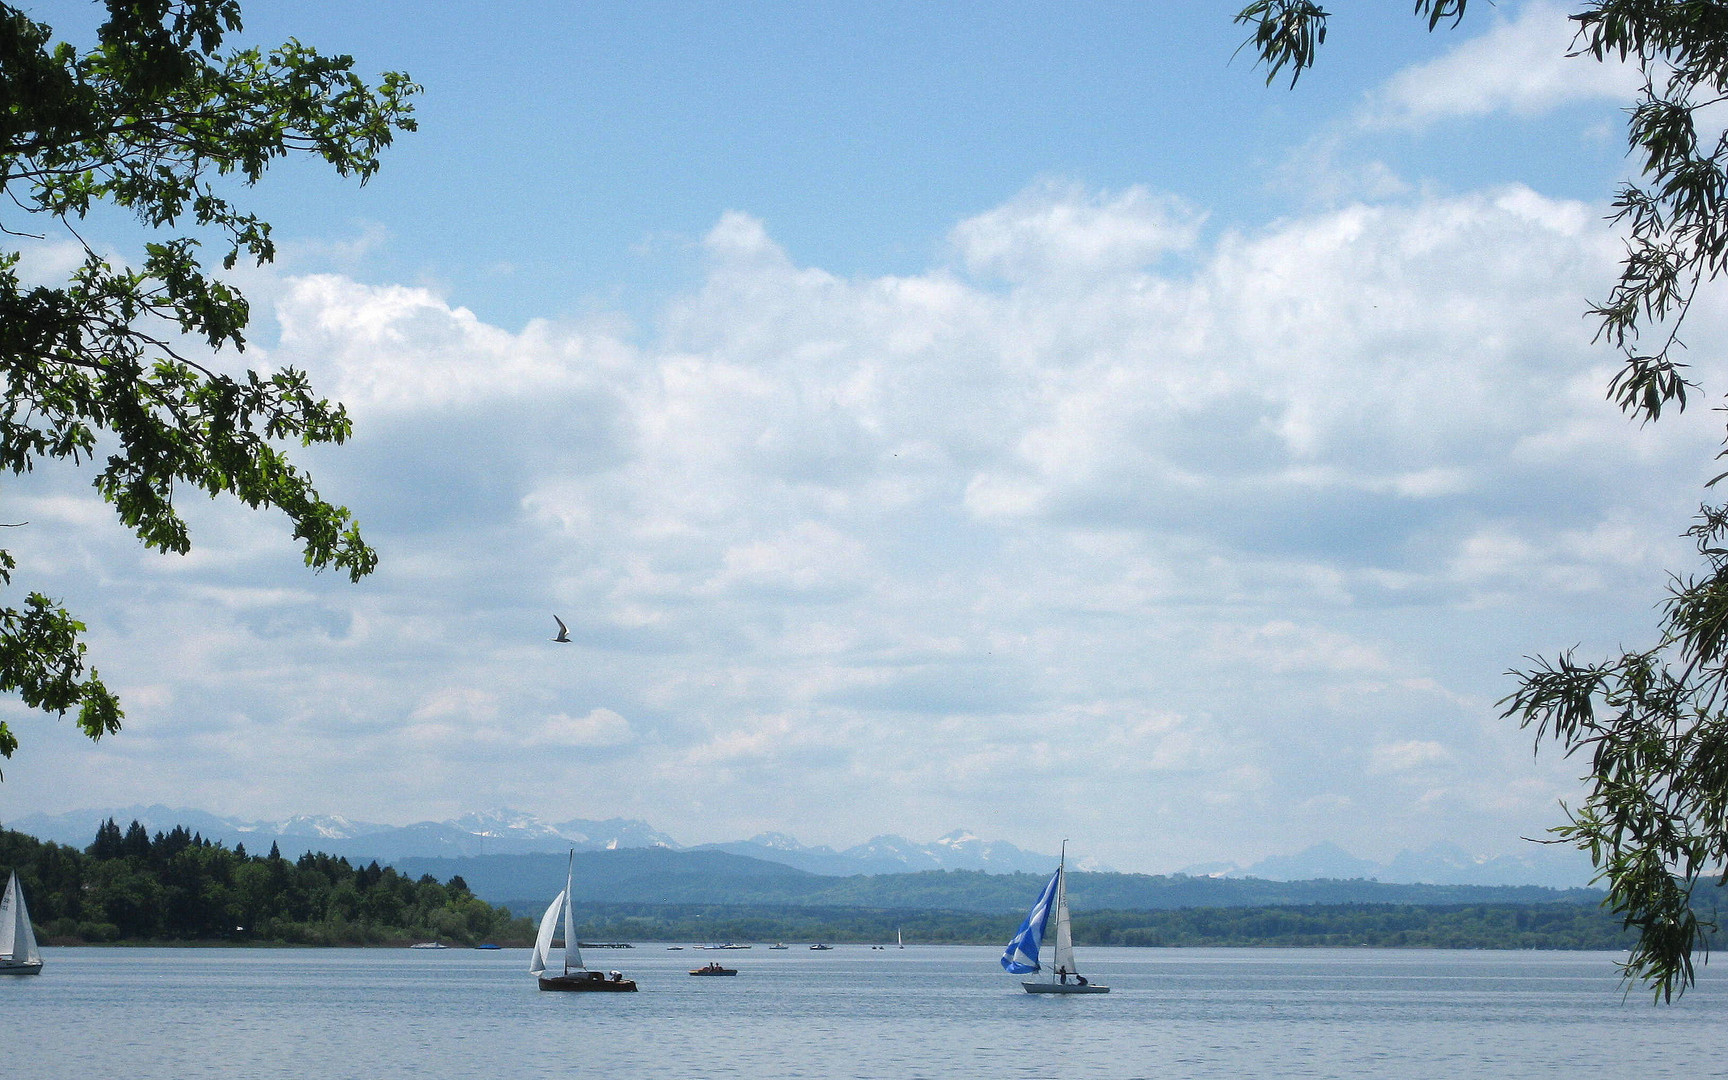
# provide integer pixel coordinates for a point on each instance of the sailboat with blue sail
(1021, 956)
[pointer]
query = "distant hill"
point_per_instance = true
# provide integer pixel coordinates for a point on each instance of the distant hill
(526, 883)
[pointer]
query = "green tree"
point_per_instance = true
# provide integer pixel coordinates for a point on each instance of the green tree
(159, 122)
(1653, 724)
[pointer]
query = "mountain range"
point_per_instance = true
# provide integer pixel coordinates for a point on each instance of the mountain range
(1553, 865)
(511, 832)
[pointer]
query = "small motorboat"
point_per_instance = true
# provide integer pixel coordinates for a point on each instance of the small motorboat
(821, 948)
(771, 948)
(713, 969)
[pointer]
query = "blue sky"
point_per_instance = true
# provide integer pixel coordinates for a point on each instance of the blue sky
(1016, 417)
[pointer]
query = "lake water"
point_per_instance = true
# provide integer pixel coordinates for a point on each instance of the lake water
(938, 1012)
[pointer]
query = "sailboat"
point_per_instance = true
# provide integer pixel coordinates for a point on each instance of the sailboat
(899, 942)
(575, 977)
(18, 952)
(1021, 956)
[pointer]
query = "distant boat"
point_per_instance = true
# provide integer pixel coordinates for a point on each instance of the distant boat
(489, 947)
(674, 948)
(18, 952)
(1021, 956)
(714, 969)
(898, 943)
(604, 945)
(771, 948)
(575, 977)
(821, 948)
(429, 945)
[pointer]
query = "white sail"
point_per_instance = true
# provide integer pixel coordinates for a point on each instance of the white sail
(543, 941)
(17, 939)
(1063, 958)
(9, 919)
(572, 954)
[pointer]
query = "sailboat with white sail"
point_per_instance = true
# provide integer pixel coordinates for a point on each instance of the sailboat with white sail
(1021, 956)
(575, 977)
(18, 952)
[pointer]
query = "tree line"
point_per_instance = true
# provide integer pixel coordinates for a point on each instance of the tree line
(176, 886)
(1438, 926)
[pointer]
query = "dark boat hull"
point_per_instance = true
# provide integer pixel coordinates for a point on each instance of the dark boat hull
(1064, 988)
(715, 971)
(587, 982)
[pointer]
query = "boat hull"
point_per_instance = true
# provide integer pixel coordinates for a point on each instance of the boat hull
(710, 971)
(1064, 988)
(20, 967)
(587, 982)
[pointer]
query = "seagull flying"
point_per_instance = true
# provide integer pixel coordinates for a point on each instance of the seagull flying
(563, 631)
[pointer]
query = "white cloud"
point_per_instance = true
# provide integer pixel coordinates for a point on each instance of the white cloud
(1520, 65)
(1407, 756)
(601, 727)
(1183, 545)
(1062, 230)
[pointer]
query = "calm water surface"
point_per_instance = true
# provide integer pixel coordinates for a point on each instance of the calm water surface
(946, 1012)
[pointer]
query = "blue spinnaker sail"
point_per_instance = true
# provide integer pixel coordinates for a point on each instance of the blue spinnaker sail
(1021, 956)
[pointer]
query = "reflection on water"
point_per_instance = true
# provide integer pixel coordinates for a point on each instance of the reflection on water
(853, 1012)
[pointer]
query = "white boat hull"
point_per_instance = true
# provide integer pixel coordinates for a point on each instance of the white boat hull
(1064, 988)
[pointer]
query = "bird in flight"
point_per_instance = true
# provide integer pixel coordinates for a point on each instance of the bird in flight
(563, 631)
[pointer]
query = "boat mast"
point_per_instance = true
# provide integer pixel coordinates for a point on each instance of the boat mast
(1061, 904)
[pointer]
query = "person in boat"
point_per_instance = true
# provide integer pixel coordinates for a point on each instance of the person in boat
(617, 976)
(1079, 978)
(1062, 973)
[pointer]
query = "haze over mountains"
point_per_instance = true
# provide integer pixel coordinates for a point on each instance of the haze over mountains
(510, 832)
(1555, 866)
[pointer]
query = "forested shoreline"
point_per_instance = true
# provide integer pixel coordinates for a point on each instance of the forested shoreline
(1441, 926)
(129, 887)
(177, 887)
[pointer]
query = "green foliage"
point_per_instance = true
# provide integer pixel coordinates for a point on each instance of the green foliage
(1653, 723)
(157, 121)
(177, 886)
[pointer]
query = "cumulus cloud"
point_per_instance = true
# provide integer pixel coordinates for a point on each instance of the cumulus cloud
(1523, 64)
(1180, 543)
(1057, 229)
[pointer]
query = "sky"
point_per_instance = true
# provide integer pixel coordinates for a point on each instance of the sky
(1015, 417)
